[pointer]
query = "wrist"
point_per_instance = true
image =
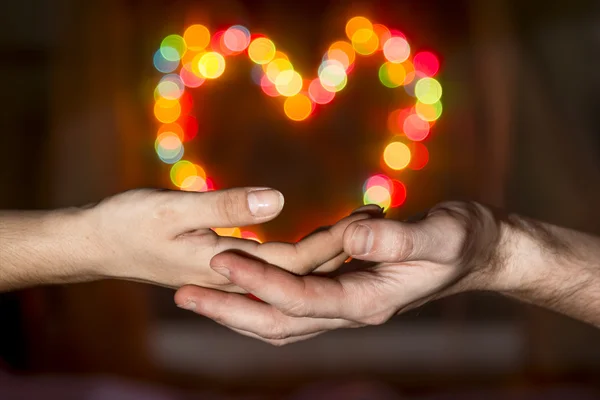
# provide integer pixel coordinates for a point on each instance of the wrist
(46, 247)
(75, 245)
(540, 260)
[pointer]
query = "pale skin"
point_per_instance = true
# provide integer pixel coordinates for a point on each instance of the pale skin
(164, 238)
(457, 247)
(159, 237)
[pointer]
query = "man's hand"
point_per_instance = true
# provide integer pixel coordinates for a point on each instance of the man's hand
(159, 237)
(457, 247)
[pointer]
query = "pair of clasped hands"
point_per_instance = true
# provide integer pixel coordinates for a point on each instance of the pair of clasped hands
(305, 288)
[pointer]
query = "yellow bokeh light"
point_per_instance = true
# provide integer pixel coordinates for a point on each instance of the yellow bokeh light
(341, 47)
(196, 37)
(429, 112)
(365, 42)
(261, 50)
(428, 90)
(277, 66)
(278, 55)
(288, 83)
(378, 195)
(211, 65)
(298, 107)
(183, 170)
(171, 128)
(357, 23)
(194, 183)
(392, 75)
(396, 155)
(230, 232)
(167, 111)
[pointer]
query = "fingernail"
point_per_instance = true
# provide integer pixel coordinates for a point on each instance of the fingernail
(222, 270)
(265, 202)
(188, 305)
(368, 208)
(361, 241)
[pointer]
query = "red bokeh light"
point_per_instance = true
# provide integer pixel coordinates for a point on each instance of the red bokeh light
(189, 125)
(419, 156)
(398, 193)
(426, 63)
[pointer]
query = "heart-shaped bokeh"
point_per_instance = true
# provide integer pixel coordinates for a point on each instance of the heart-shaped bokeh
(188, 60)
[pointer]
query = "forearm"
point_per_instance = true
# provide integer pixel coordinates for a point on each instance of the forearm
(44, 247)
(553, 267)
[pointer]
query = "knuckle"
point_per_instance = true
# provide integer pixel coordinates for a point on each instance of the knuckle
(402, 244)
(276, 332)
(295, 308)
(376, 319)
(228, 207)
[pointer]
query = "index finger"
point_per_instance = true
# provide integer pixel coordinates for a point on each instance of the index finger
(297, 296)
(322, 251)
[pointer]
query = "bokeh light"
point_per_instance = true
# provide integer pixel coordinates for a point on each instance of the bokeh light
(236, 39)
(172, 128)
(217, 43)
(288, 83)
(333, 75)
(383, 34)
(396, 155)
(428, 90)
(342, 52)
(261, 50)
(169, 148)
(173, 47)
(396, 49)
(378, 195)
(197, 37)
(189, 77)
(378, 180)
(298, 107)
(189, 127)
(257, 74)
(228, 232)
(162, 64)
(357, 23)
(166, 110)
(268, 87)
(194, 183)
(251, 236)
(211, 65)
(170, 87)
(186, 101)
(429, 112)
(398, 193)
(392, 75)
(419, 156)
(277, 66)
(318, 93)
(415, 128)
(426, 63)
(183, 172)
(365, 42)
(188, 60)
(409, 68)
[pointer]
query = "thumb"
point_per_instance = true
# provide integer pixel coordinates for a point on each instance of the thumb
(227, 208)
(380, 240)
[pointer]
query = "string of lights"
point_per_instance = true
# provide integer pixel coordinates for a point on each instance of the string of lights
(187, 61)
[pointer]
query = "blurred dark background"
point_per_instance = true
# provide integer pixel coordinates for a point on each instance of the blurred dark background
(520, 130)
